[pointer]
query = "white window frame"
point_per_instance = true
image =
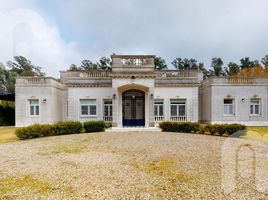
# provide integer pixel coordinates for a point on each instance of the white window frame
(233, 107)
(255, 104)
(89, 104)
(34, 105)
(158, 107)
(178, 105)
(110, 108)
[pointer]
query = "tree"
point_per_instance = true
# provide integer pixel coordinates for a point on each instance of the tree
(105, 63)
(232, 69)
(216, 65)
(264, 61)
(160, 63)
(87, 65)
(73, 67)
(24, 67)
(7, 80)
(186, 63)
(246, 63)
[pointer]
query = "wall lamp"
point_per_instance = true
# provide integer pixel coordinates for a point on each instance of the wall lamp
(114, 96)
(44, 100)
(152, 95)
(243, 100)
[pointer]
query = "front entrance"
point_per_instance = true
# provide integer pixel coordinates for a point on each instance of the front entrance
(133, 108)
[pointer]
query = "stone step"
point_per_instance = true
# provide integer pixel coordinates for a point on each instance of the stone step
(133, 129)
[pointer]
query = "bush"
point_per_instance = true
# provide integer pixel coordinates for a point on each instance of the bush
(42, 130)
(35, 131)
(94, 126)
(224, 128)
(71, 127)
(213, 129)
(182, 127)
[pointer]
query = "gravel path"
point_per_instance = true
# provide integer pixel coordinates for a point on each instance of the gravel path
(132, 166)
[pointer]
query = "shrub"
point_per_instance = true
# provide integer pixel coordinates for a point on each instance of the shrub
(71, 127)
(224, 128)
(42, 130)
(182, 127)
(94, 126)
(35, 131)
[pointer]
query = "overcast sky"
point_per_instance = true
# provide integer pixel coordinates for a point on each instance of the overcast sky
(56, 33)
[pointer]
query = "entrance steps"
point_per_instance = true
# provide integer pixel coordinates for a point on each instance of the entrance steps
(133, 129)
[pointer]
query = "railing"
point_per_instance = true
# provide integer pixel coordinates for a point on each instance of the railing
(159, 118)
(177, 73)
(90, 74)
(178, 118)
(133, 61)
(241, 80)
(88, 118)
(107, 118)
(37, 80)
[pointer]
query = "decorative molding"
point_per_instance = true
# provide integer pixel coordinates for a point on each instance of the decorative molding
(177, 85)
(89, 84)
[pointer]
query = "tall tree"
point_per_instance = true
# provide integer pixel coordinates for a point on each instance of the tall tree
(160, 63)
(232, 69)
(105, 63)
(217, 69)
(23, 67)
(264, 61)
(186, 63)
(73, 67)
(7, 80)
(246, 63)
(88, 65)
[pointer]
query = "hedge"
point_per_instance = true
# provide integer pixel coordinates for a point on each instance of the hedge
(213, 129)
(94, 126)
(60, 128)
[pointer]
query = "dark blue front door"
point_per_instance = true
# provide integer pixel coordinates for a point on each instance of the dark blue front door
(133, 108)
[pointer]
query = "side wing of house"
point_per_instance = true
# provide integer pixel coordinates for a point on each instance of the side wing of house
(40, 100)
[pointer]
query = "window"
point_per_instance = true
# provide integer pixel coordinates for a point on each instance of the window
(34, 107)
(158, 107)
(228, 106)
(177, 107)
(255, 105)
(88, 107)
(108, 108)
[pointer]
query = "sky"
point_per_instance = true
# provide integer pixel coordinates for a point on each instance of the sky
(54, 34)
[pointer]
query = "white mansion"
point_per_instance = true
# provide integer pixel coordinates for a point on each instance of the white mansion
(135, 94)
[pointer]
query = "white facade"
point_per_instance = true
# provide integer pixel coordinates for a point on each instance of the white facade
(135, 94)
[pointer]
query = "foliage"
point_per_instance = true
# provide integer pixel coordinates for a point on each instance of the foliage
(23, 67)
(7, 113)
(264, 61)
(160, 63)
(190, 127)
(217, 69)
(232, 69)
(38, 130)
(246, 63)
(105, 63)
(186, 63)
(88, 65)
(182, 127)
(73, 67)
(94, 126)
(257, 71)
(69, 127)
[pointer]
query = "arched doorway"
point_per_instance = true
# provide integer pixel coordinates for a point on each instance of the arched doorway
(133, 108)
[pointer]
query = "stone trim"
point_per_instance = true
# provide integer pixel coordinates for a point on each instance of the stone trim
(177, 85)
(89, 84)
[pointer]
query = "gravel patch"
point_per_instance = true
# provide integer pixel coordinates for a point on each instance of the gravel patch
(150, 165)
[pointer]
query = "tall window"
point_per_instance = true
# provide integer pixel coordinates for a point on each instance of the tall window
(158, 107)
(177, 107)
(88, 107)
(255, 105)
(108, 108)
(34, 107)
(228, 106)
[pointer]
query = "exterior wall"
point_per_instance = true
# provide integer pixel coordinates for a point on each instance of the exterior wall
(205, 101)
(51, 111)
(189, 93)
(242, 109)
(74, 96)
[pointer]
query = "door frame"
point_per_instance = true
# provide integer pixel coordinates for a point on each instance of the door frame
(134, 122)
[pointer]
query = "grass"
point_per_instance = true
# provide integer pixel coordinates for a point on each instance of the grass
(7, 134)
(12, 187)
(259, 133)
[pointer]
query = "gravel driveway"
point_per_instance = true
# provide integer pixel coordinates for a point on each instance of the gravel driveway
(151, 165)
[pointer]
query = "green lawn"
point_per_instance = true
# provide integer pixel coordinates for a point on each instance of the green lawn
(7, 134)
